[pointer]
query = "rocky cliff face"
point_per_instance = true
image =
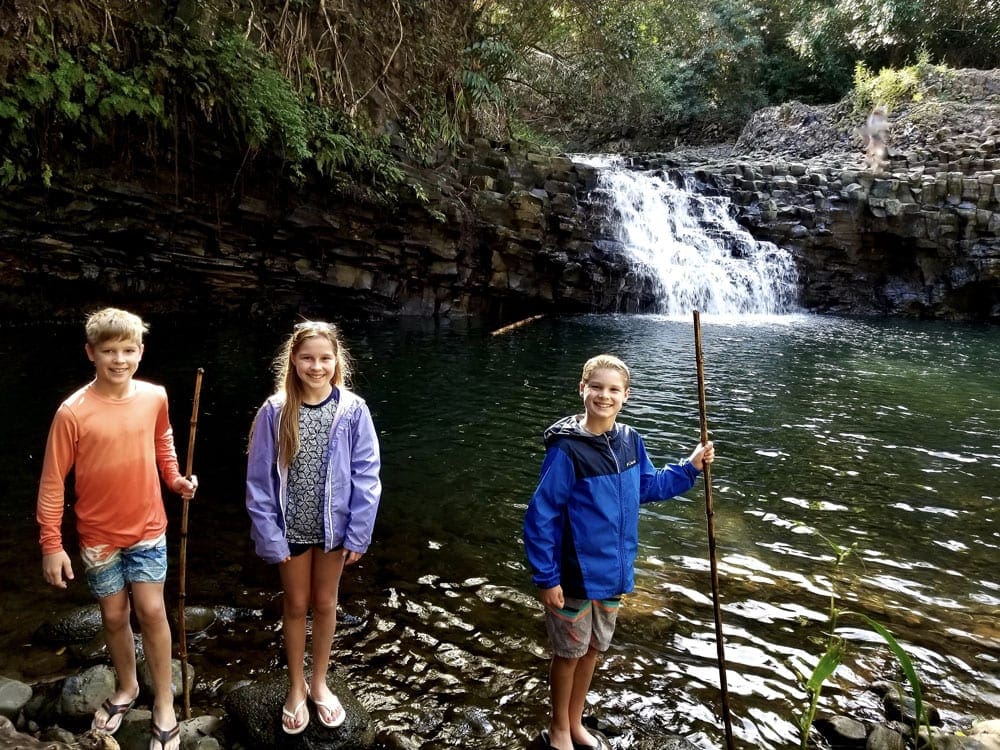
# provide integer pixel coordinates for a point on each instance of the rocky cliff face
(503, 234)
(919, 237)
(920, 241)
(495, 234)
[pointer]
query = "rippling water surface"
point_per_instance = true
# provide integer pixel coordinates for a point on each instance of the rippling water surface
(830, 432)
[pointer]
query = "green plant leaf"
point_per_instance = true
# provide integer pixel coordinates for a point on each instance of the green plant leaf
(904, 662)
(826, 666)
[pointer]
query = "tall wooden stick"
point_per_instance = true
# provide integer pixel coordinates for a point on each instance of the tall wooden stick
(182, 595)
(710, 514)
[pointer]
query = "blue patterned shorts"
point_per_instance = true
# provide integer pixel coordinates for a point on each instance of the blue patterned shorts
(107, 574)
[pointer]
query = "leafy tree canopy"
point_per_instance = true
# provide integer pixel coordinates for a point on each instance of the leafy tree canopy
(336, 91)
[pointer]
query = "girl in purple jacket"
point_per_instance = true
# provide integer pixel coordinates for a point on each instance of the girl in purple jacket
(312, 493)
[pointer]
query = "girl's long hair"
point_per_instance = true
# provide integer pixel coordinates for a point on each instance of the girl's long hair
(287, 381)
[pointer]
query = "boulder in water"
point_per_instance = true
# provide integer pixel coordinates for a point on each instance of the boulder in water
(255, 710)
(79, 625)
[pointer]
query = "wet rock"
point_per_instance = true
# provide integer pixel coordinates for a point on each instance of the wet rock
(53, 739)
(89, 651)
(56, 734)
(945, 741)
(94, 740)
(176, 677)
(13, 697)
(885, 738)
(198, 733)
(255, 710)
(197, 619)
(983, 735)
(903, 708)
(76, 626)
(83, 693)
(842, 732)
(11, 738)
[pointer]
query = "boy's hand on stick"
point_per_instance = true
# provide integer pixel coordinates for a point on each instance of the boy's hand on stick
(703, 454)
(57, 569)
(186, 487)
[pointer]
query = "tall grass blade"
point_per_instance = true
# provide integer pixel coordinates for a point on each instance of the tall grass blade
(904, 662)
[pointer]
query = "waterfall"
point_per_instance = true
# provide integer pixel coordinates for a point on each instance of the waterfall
(690, 246)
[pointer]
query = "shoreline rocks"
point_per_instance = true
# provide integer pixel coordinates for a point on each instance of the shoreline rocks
(252, 714)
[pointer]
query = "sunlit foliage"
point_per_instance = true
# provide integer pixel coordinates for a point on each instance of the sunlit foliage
(624, 67)
(339, 91)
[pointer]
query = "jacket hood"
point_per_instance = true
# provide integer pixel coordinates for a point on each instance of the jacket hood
(570, 427)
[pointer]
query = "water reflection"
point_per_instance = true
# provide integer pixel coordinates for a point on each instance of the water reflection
(830, 432)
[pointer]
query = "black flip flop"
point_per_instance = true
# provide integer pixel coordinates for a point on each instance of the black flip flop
(602, 743)
(113, 710)
(163, 736)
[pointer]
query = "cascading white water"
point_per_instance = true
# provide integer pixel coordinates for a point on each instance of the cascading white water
(692, 248)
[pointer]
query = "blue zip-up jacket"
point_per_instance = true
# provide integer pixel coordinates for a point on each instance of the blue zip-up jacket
(352, 487)
(581, 529)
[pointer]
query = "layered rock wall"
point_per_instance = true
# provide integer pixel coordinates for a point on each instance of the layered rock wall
(922, 239)
(498, 234)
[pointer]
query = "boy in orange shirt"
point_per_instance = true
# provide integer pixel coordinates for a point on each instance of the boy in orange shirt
(115, 432)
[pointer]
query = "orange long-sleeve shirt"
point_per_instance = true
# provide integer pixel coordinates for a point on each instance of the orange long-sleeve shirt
(116, 447)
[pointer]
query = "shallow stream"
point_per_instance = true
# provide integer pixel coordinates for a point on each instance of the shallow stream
(830, 431)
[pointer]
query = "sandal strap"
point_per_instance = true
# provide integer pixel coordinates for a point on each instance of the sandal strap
(113, 709)
(163, 736)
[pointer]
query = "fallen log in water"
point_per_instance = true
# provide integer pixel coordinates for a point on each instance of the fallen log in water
(518, 324)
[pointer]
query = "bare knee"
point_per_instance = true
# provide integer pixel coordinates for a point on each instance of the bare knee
(325, 606)
(115, 612)
(115, 621)
(295, 608)
(150, 615)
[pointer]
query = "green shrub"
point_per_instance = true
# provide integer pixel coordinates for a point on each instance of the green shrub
(892, 86)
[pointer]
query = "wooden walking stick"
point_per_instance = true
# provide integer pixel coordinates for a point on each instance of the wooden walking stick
(710, 514)
(182, 595)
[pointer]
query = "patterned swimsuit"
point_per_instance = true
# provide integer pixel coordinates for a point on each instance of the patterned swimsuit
(307, 474)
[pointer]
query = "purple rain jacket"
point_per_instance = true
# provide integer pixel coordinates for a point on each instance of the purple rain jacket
(353, 488)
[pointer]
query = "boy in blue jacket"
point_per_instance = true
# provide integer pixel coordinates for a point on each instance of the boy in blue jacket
(581, 534)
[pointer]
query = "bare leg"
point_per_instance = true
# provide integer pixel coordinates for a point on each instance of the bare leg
(151, 612)
(115, 612)
(296, 581)
(569, 682)
(578, 699)
(326, 570)
(562, 672)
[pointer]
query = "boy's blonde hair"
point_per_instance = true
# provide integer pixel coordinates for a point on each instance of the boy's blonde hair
(112, 324)
(605, 362)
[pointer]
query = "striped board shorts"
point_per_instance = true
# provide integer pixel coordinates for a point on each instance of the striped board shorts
(580, 624)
